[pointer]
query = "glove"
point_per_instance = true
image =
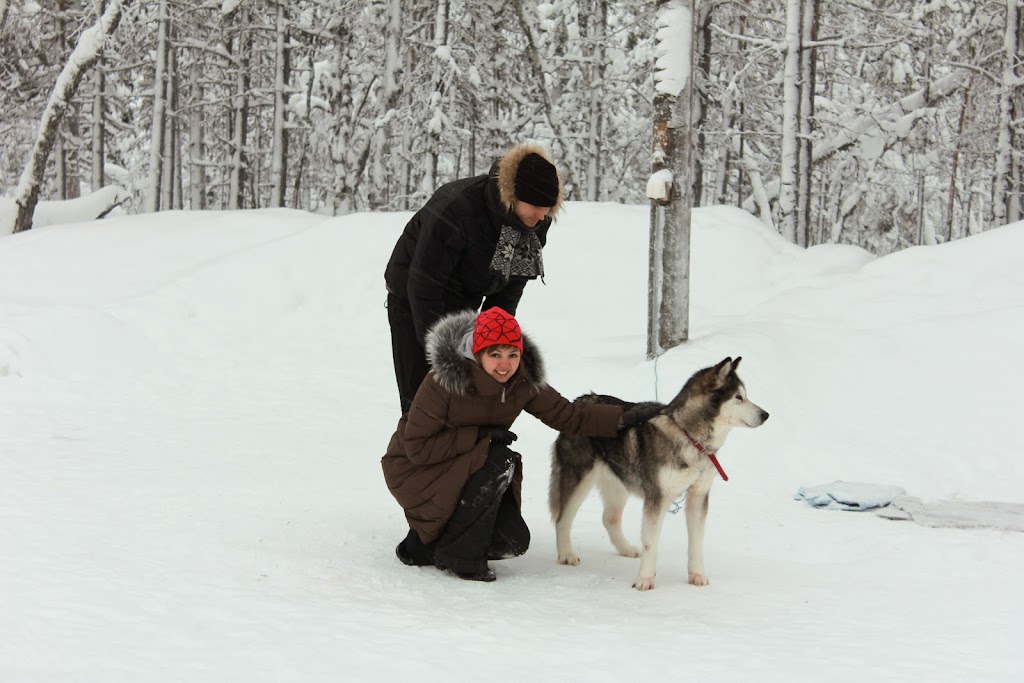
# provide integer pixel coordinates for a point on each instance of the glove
(498, 435)
(639, 414)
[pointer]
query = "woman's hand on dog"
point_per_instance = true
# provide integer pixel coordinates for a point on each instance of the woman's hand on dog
(639, 414)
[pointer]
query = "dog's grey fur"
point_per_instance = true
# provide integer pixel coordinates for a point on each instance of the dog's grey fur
(655, 461)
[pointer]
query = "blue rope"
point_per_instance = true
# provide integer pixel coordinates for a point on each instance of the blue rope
(678, 504)
(656, 377)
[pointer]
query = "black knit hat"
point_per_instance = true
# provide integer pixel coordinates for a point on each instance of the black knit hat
(536, 181)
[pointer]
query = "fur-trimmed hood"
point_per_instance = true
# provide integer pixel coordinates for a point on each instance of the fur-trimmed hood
(508, 165)
(452, 362)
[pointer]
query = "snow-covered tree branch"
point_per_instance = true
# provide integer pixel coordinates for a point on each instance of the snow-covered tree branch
(86, 53)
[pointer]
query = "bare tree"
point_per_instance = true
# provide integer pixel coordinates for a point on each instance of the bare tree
(279, 148)
(197, 165)
(239, 123)
(808, 80)
(156, 145)
(1005, 197)
(98, 135)
(86, 53)
(788, 204)
(437, 97)
(598, 27)
(65, 150)
(392, 88)
(670, 187)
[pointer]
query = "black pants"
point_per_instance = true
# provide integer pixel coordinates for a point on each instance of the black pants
(486, 524)
(407, 350)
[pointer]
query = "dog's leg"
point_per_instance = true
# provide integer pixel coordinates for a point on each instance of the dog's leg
(615, 497)
(650, 533)
(696, 518)
(571, 501)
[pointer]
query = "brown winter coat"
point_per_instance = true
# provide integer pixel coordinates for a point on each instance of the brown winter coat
(437, 446)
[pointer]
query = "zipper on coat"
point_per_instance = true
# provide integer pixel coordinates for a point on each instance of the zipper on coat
(503, 394)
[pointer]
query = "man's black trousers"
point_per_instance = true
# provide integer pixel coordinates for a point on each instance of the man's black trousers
(407, 350)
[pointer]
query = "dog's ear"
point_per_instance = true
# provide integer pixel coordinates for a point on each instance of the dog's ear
(736, 363)
(723, 369)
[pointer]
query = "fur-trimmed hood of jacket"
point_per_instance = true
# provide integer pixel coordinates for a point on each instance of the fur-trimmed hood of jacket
(505, 175)
(452, 362)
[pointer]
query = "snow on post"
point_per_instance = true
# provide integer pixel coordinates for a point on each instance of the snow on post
(659, 185)
(673, 48)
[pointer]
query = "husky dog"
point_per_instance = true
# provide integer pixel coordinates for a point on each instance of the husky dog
(658, 460)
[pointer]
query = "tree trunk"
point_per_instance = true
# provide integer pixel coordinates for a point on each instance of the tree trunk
(595, 128)
(65, 153)
(278, 164)
(300, 200)
(733, 113)
(85, 54)
(340, 133)
(951, 199)
(170, 174)
(240, 117)
(789, 169)
(60, 172)
(197, 153)
(701, 102)
(156, 143)
(437, 100)
(808, 75)
(99, 111)
(671, 184)
(389, 96)
(1003, 186)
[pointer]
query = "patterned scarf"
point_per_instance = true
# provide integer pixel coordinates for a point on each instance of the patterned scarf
(518, 253)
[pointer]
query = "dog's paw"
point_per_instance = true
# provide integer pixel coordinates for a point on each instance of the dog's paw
(630, 551)
(698, 579)
(644, 583)
(571, 559)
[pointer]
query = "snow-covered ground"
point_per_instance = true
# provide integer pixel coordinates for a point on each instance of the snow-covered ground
(194, 407)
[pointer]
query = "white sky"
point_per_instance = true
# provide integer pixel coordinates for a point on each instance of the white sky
(194, 407)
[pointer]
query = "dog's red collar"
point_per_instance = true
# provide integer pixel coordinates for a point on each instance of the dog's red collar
(714, 461)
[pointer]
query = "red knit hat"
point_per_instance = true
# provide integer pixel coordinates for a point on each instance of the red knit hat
(495, 326)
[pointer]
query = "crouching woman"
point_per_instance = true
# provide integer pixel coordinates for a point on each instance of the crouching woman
(449, 464)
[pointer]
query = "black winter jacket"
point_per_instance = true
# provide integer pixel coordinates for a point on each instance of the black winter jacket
(442, 261)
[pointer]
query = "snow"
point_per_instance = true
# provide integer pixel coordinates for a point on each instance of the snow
(443, 53)
(194, 406)
(850, 495)
(659, 184)
(55, 212)
(297, 104)
(674, 35)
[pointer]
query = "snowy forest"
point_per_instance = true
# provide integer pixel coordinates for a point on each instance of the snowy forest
(880, 123)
